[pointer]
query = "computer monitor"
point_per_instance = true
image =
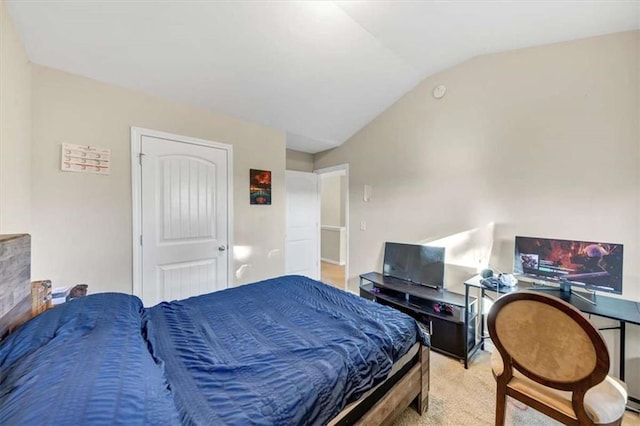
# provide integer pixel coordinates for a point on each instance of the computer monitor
(587, 264)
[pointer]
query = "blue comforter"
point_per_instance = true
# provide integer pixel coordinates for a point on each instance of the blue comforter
(284, 351)
(85, 362)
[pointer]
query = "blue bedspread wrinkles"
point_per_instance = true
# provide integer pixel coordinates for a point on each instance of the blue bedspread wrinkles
(83, 363)
(285, 351)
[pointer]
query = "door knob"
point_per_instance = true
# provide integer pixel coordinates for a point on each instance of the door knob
(222, 247)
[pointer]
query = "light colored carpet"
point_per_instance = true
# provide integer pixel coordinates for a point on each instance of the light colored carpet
(467, 397)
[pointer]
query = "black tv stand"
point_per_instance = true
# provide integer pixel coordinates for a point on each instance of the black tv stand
(447, 330)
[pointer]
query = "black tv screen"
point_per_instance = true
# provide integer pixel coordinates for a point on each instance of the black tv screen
(416, 263)
(597, 266)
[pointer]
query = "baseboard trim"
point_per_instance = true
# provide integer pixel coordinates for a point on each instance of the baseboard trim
(333, 262)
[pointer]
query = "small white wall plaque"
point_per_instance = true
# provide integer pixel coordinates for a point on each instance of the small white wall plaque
(85, 159)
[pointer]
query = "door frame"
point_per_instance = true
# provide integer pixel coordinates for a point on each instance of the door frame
(333, 170)
(136, 196)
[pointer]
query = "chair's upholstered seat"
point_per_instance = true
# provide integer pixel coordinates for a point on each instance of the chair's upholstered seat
(604, 403)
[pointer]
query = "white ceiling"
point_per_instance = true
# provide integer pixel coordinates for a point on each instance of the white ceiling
(318, 70)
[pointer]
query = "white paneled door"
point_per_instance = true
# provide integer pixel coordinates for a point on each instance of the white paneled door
(302, 242)
(184, 215)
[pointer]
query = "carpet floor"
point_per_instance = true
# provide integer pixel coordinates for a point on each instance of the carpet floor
(467, 397)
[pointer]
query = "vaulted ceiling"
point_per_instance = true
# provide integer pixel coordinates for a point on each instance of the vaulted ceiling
(318, 70)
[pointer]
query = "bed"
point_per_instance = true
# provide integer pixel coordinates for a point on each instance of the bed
(289, 350)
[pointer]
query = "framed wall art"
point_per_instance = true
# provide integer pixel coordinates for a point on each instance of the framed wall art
(260, 186)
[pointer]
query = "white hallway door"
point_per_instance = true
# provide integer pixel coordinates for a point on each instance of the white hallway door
(302, 241)
(184, 215)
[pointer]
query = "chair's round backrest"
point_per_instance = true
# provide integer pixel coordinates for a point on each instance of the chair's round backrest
(548, 340)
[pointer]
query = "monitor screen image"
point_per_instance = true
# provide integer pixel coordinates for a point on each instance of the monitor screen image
(416, 263)
(597, 266)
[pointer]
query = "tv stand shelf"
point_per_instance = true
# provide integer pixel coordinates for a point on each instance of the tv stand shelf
(446, 330)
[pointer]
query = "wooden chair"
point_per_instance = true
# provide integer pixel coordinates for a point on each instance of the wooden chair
(550, 357)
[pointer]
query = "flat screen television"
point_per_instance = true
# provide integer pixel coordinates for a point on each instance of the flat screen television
(592, 265)
(415, 263)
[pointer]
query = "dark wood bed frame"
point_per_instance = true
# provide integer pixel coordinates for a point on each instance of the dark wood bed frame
(408, 386)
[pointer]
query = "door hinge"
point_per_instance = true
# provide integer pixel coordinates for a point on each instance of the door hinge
(140, 239)
(140, 155)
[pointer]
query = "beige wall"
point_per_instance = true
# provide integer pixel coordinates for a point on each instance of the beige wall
(332, 213)
(541, 142)
(82, 226)
(333, 244)
(15, 130)
(299, 161)
(332, 200)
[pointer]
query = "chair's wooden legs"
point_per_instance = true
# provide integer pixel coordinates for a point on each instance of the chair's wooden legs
(501, 406)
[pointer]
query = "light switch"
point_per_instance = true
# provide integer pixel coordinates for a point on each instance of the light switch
(363, 225)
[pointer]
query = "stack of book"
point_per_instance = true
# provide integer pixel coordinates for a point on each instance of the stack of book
(60, 295)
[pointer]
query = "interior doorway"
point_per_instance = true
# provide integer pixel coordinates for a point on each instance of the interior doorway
(181, 215)
(334, 225)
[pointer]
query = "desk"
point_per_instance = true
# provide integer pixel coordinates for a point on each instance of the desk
(623, 311)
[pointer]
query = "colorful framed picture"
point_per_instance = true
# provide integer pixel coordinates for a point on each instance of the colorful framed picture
(260, 186)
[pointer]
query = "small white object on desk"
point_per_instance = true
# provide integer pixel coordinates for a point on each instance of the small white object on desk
(508, 279)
